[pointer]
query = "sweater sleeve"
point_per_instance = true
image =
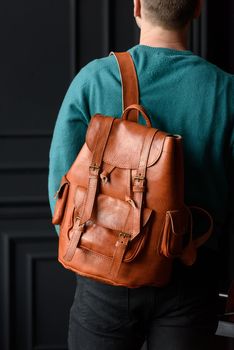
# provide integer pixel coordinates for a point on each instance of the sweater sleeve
(69, 134)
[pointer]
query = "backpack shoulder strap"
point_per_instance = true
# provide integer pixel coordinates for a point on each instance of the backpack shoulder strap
(130, 91)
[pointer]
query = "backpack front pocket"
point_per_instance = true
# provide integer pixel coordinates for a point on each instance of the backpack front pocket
(110, 217)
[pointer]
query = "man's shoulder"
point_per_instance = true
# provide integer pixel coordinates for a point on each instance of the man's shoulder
(100, 67)
(99, 64)
(212, 68)
(105, 68)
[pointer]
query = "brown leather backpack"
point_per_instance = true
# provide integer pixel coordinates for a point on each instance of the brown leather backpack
(121, 207)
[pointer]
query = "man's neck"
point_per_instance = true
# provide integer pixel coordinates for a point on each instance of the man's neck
(160, 37)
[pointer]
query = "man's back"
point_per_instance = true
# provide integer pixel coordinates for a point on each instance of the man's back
(183, 94)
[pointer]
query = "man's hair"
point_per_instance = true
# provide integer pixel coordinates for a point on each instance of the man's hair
(170, 14)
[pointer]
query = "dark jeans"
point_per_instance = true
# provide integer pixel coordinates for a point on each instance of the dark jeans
(179, 316)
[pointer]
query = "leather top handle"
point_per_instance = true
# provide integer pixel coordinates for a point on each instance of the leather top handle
(130, 90)
(139, 108)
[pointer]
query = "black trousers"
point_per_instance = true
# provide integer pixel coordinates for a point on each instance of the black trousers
(179, 316)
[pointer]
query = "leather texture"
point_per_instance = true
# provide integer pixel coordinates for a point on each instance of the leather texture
(121, 206)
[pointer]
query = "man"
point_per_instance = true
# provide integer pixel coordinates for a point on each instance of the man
(185, 95)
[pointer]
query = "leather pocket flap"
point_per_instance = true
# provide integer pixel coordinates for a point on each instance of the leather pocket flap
(110, 216)
(116, 214)
(109, 212)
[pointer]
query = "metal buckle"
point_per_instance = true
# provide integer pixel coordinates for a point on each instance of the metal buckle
(94, 167)
(94, 170)
(139, 183)
(139, 178)
(125, 235)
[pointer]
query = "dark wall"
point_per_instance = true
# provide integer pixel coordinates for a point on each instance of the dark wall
(43, 45)
(37, 40)
(220, 29)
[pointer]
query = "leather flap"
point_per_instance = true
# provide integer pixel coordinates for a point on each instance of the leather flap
(116, 214)
(109, 212)
(125, 142)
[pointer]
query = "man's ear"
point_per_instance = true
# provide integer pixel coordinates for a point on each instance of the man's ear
(198, 8)
(137, 8)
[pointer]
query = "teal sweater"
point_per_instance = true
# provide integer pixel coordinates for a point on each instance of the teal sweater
(183, 94)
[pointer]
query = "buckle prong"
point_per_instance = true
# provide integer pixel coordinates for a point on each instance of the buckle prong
(139, 178)
(125, 235)
(94, 167)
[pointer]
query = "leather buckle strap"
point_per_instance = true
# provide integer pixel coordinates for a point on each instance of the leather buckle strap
(121, 246)
(139, 183)
(94, 169)
(88, 203)
(124, 235)
(139, 180)
(77, 231)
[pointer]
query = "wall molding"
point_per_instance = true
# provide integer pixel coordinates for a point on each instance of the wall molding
(25, 134)
(31, 259)
(24, 201)
(8, 240)
(23, 167)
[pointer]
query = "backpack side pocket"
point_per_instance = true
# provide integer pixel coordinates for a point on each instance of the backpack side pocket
(174, 233)
(60, 205)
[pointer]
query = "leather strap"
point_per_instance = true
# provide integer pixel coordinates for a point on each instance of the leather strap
(76, 235)
(139, 181)
(138, 190)
(203, 238)
(141, 110)
(121, 246)
(88, 204)
(189, 254)
(130, 91)
(94, 169)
